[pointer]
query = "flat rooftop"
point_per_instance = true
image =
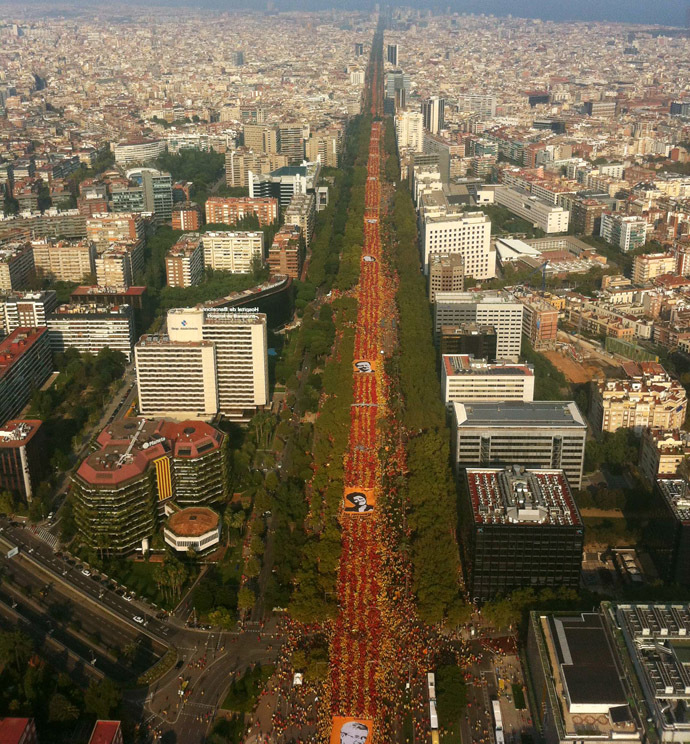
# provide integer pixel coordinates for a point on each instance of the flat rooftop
(516, 495)
(511, 414)
(104, 732)
(676, 493)
(14, 346)
(483, 296)
(18, 432)
(459, 365)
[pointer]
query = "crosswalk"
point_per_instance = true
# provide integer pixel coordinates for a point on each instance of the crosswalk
(47, 537)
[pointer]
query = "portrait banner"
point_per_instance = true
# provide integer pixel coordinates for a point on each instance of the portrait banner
(348, 730)
(364, 366)
(359, 500)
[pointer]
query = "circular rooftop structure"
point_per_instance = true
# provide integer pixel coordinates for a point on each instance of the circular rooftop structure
(194, 521)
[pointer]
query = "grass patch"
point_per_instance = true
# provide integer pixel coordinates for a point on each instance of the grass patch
(519, 697)
(244, 692)
(138, 576)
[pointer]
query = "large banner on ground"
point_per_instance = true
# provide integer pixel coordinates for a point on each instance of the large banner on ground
(359, 500)
(352, 730)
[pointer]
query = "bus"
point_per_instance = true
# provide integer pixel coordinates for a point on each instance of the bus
(433, 714)
(498, 722)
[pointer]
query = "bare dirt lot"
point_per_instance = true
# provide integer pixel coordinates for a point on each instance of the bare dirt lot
(575, 372)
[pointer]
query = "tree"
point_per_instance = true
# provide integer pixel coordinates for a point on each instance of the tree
(102, 698)
(451, 693)
(245, 599)
(61, 709)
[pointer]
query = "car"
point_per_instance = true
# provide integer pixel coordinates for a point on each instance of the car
(50, 516)
(32, 549)
(127, 597)
(86, 572)
(65, 572)
(138, 619)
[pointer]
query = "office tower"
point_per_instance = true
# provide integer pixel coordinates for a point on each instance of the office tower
(186, 216)
(409, 130)
(468, 338)
(392, 54)
(626, 233)
(139, 467)
(16, 266)
(359, 49)
(496, 308)
(397, 88)
(241, 353)
(112, 227)
(324, 147)
(540, 434)
(90, 328)
(284, 183)
(262, 138)
(238, 59)
(667, 535)
(543, 214)
(65, 260)
(523, 529)
(433, 113)
(648, 397)
(25, 364)
(184, 262)
(228, 210)
(27, 309)
(285, 254)
(236, 252)
(468, 380)
(446, 274)
(22, 460)
(151, 192)
(239, 163)
(301, 211)
(483, 104)
(467, 234)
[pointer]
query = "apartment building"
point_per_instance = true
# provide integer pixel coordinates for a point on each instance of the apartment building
(544, 215)
(119, 264)
(184, 262)
(131, 152)
(661, 452)
(285, 254)
(324, 147)
(650, 265)
(301, 211)
(539, 434)
(228, 210)
(65, 260)
(483, 104)
(233, 251)
(539, 322)
(647, 397)
(241, 162)
(409, 131)
(498, 309)
(446, 274)
(22, 458)
(114, 227)
(469, 380)
(465, 233)
(626, 233)
(176, 379)
(25, 364)
(186, 216)
(16, 266)
(91, 328)
(27, 309)
(585, 216)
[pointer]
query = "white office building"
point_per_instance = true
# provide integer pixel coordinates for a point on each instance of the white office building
(496, 308)
(90, 328)
(233, 251)
(465, 233)
(409, 130)
(468, 380)
(541, 214)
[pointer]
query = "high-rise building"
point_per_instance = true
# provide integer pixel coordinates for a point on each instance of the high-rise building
(292, 142)
(433, 111)
(523, 529)
(239, 163)
(119, 264)
(650, 265)
(22, 460)
(539, 322)
(90, 328)
(28, 309)
(184, 262)
(661, 452)
(542, 214)
(495, 308)
(446, 274)
(238, 59)
(359, 49)
(228, 210)
(25, 364)
(324, 147)
(284, 183)
(409, 130)
(647, 397)
(233, 251)
(65, 260)
(157, 191)
(456, 232)
(186, 216)
(667, 535)
(16, 266)
(139, 466)
(301, 211)
(262, 138)
(392, 54)
(585, 216)
(397, 87)
(468, 380)
(626, 233)
(285, 254)
(483, 104)
(539, 434)
(468, 338)
(114, 227)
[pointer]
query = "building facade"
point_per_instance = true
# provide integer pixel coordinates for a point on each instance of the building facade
(66, 261)
(626, 233)
(25, 364)
(90, 328)
(22, 462)
(468, 380)
(184, 262)
(233, 251)
(446, 274)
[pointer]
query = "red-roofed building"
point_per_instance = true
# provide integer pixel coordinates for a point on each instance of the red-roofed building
(106, 732)
(18, 731)
(25, 364)
(21, 460)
